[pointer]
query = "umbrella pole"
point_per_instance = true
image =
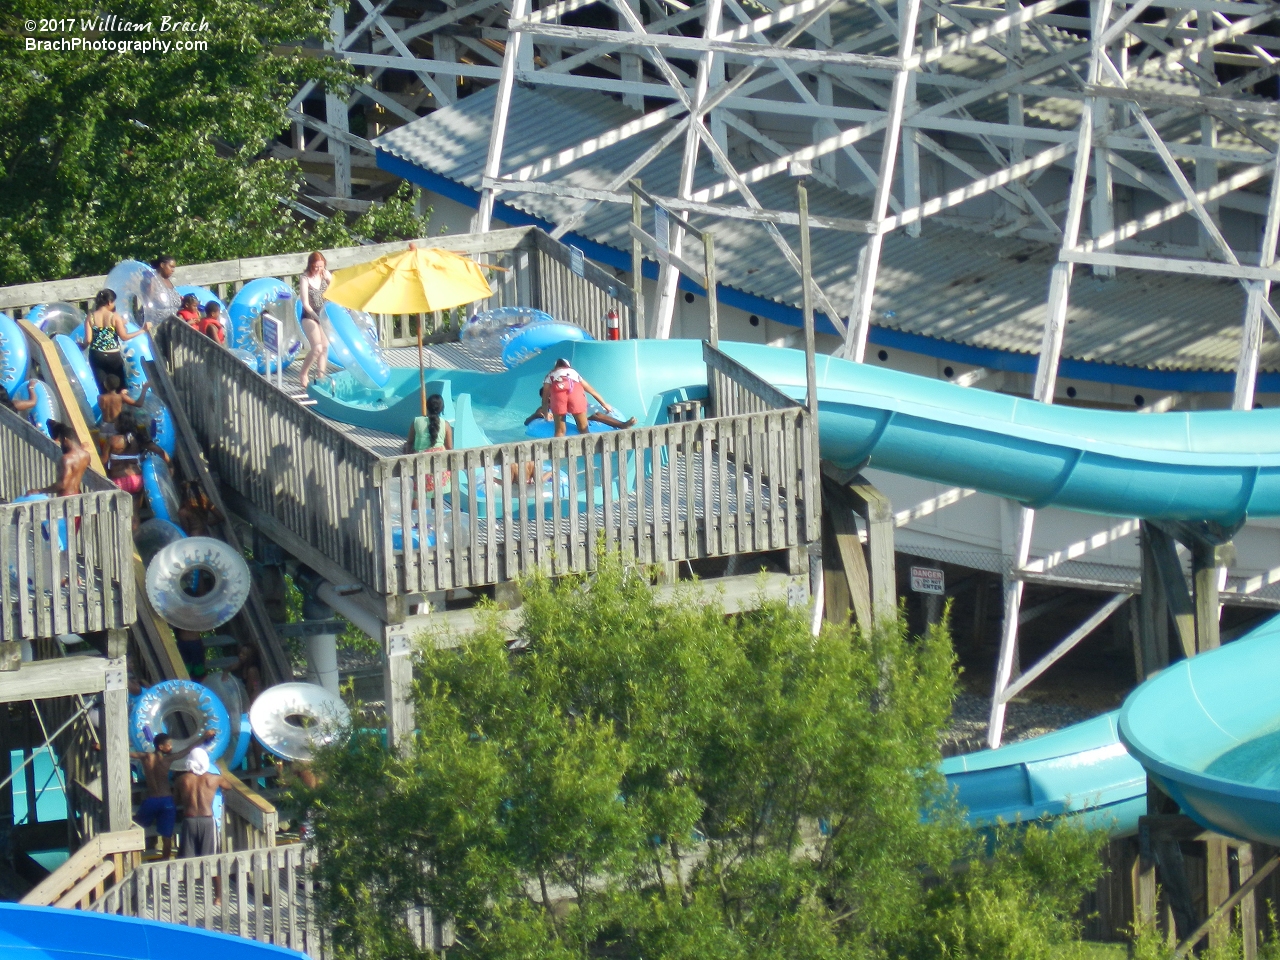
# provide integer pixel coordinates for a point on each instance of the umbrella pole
(422, 369)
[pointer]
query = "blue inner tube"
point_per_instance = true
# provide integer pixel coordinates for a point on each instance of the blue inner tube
(163, 431)
(162, 498)
(44, 527)
(46, 407)
(254, 297)
(364, 352)
(83, 383)
(531, 340)
(154, 535)
(14, 354)
(197, 702)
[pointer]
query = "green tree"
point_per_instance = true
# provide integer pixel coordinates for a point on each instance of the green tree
(663, 781)
(106, 154)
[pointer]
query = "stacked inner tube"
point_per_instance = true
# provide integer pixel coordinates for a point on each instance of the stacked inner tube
(160, 709)
(197, 583)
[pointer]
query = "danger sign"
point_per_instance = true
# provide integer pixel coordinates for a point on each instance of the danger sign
(928, 580)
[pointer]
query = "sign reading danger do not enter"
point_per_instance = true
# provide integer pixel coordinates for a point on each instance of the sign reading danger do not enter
(928, 580)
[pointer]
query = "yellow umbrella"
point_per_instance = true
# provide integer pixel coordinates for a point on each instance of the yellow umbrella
(412, 281)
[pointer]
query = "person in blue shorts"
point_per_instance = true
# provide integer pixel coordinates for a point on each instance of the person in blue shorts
(159, 808)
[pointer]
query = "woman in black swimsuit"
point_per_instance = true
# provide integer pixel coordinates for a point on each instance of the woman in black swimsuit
(105, 332)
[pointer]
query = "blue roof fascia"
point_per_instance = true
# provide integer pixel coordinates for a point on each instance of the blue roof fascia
(1173, 381)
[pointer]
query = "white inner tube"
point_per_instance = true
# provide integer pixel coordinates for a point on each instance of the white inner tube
(197, 560)
(293, 720)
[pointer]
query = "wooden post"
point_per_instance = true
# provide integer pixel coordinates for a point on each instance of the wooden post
(1217, 888)
(1248, 905)
(713, 312)
(397, 687)
(1164, 556)
(848, 549)
(811, 389)
(884, 581)
(637, 266)
(1204, 568)
(1152, 640)
(115, 749)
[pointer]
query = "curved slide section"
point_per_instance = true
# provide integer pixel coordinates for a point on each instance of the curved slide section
(1080, 770)
(1207, 465)
(1208, 732)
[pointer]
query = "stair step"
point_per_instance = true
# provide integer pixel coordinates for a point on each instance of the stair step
(221, 663)
(221, 640)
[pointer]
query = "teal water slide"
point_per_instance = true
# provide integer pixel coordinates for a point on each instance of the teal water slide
(1208, 729)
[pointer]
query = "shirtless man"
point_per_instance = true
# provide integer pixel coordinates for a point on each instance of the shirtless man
(159, 807)
(71, 468)
(112, 400)
(195, 790)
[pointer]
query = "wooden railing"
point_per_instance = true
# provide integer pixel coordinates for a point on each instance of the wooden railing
(290, 464)
(584, 299)
(735, 390)
(93, 871)
(656, 494)
(65, 562)
(264, 895)
(251, 820)
(538, 272)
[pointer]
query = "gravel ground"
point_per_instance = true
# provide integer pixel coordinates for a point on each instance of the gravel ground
(1023, 720)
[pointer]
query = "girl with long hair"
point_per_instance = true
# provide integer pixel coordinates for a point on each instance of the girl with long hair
(311, 287)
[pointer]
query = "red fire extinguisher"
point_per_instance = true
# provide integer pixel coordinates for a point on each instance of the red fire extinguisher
(614, 327)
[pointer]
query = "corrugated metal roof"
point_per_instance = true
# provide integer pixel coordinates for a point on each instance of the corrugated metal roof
(950, 283)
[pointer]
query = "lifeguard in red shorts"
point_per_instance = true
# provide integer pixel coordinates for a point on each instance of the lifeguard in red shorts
(564, 393)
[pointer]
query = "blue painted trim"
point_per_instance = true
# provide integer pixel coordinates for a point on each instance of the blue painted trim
(1172, 381)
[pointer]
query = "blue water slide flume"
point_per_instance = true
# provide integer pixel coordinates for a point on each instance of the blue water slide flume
(1208, 732)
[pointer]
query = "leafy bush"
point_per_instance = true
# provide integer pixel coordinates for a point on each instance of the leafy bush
(668, 782)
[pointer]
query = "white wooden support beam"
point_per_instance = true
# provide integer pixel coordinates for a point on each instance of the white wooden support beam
(1259, 293)
(397, 683)
(498, 132)
(855, 344)
(668, 275)
(1065, 646)
(335, 105)
(1013, 586)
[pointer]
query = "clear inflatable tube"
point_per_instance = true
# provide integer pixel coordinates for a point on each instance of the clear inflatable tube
(154, 535)
(527, 342)
(202, 710)
(174, 569)
(13, 354)
(274, 716)
(57, 318)
(229, 689)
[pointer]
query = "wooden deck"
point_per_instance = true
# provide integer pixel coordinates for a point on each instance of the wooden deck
(669, 493)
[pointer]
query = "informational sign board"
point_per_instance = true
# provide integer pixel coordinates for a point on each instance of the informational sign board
(577, 262)
(661, 228)
(928, 580)
(271, 331)
(271, 334)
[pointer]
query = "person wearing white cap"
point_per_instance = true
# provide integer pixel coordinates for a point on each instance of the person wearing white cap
(195, 790)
